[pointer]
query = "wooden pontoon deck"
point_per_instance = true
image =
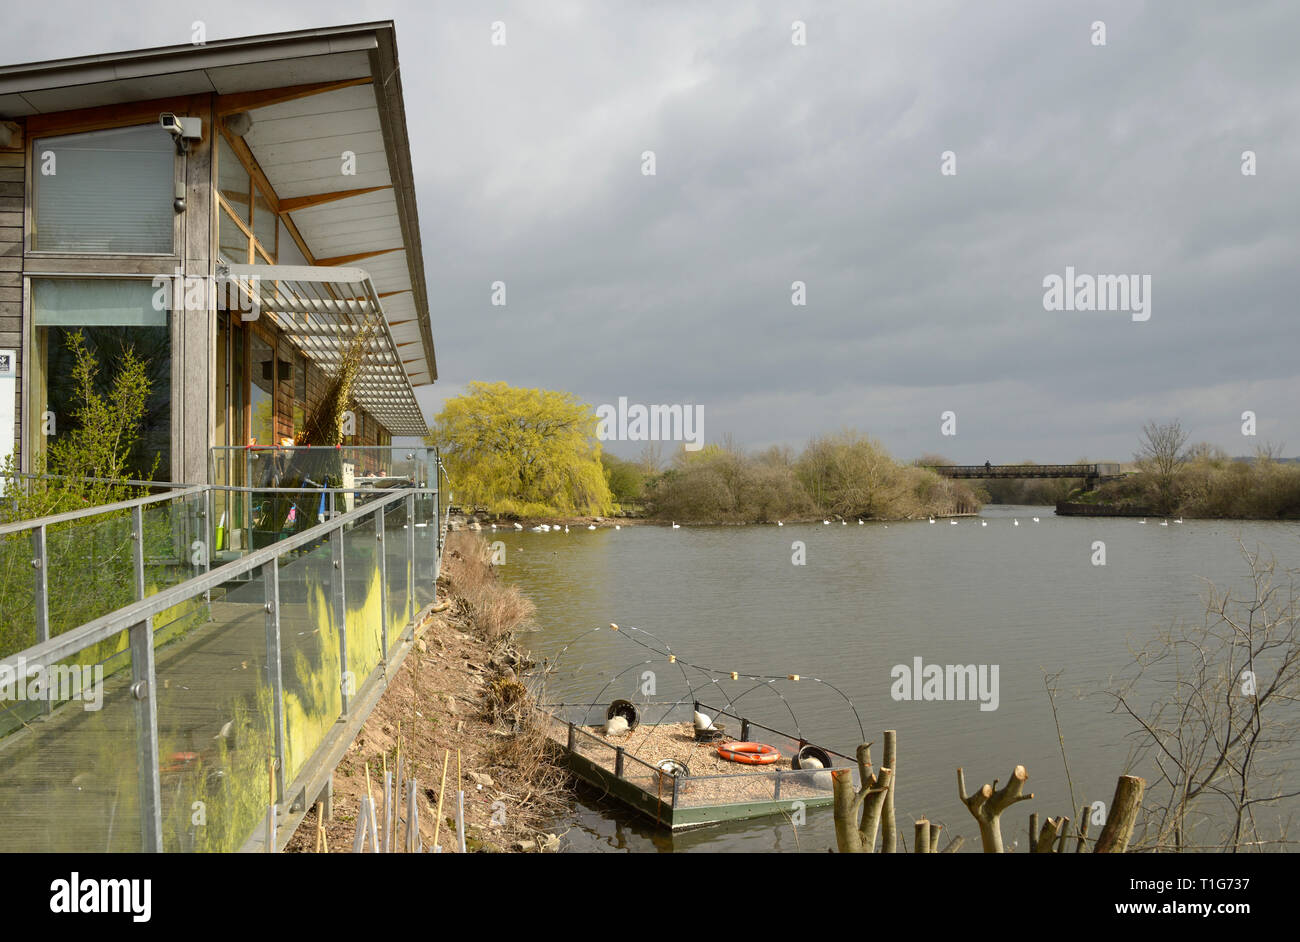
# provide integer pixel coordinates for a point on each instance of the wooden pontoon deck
(715, 790)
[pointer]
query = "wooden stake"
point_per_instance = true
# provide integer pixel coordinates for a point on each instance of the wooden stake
(437, 824)
(1123, 814)
(322, 839)
(387, 836)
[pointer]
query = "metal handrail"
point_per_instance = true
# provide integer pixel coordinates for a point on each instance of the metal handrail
(92, 632)
(66, 516)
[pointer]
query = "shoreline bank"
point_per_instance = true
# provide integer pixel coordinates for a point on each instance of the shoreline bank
(459, 698)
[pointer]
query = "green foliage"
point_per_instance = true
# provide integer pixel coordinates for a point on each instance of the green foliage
(852, 475)
(90, 568)
(531, 452)
(626, 479)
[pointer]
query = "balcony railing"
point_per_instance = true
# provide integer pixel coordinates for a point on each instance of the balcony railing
(155, 695)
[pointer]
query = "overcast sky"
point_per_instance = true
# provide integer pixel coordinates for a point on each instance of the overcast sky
(821, 163)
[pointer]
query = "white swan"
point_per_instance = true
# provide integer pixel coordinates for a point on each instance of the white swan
(676, 525)
(519, 526)
(953, 522)
(1164, 523)
(566, 528)
(932, 519)
(591, 526)
(1015, 523)
(618, 526)
(1035, 520)
(826, 523)
(1179, 520)
(984, 523)
(780, 524)
(860, 523)
(1142, 522)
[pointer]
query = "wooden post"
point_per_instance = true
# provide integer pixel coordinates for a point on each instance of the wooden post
(1033, 833)
(1047, 836)
(888, 826)
(1084, 814)
(987, 804)
(857, 815)
(922, 845)
(1123, 815)
(845, 802)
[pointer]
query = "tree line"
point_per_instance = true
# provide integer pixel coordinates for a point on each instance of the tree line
(535, 453)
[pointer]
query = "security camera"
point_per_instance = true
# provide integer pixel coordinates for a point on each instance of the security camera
(182, 130)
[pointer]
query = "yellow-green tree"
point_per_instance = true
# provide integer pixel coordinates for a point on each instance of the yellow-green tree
(531, 452)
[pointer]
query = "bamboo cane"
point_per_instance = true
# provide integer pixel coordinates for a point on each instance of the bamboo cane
(437, 824)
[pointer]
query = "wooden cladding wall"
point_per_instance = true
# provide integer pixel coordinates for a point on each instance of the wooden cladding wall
(12, 170)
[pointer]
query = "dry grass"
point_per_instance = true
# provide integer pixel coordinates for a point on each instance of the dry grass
(492, 609)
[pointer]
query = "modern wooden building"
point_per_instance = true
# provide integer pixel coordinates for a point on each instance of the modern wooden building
(280, 161)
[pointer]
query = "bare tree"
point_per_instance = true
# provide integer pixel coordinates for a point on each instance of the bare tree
(1215, 708)
(652, 457)
(1161, 453)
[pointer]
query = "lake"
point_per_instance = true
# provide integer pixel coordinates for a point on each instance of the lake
(1026, 598)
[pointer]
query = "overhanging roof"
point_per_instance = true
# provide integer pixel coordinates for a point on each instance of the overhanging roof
(297, 144)
(321, 309)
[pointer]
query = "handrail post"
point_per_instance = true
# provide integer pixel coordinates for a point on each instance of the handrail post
(41, 598)
(383, 582)
(271, 585)
(338, 599)
(41, 563)
(410, 556)
(209, 531)
(137, 549)
(145, 707)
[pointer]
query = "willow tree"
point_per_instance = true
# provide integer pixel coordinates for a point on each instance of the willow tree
(522, 451)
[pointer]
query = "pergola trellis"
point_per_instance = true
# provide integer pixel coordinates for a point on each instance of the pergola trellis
(321, 309)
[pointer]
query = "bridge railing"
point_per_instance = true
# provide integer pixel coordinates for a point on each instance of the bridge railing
(1103, 469)
(176, 721)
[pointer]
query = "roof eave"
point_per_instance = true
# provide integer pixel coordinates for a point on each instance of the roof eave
(392, 112)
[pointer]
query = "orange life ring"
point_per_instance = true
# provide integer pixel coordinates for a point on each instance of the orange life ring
(750, 753)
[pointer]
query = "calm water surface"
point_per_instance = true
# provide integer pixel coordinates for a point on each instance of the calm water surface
(1026, 598)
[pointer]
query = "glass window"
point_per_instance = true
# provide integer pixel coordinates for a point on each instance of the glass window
(232, 179)
(234, 244)
(261, 389)
(287, 251)
(299, 395)
(264, 220)
(105, 191)
(112, 316)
